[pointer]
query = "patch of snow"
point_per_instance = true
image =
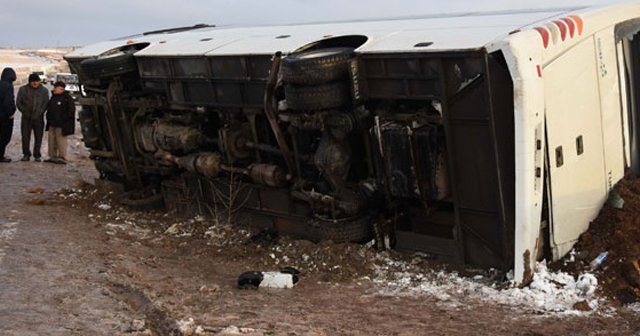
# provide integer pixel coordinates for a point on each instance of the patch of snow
(7, 232)
(115, 226)
(587, 283)
(233, 330)
(549, 292)
(103, 206)
(136, 326)
(187, 327)
(571, 258)
(634, 307)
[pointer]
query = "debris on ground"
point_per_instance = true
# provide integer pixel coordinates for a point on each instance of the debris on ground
(103, 206)
(565, 289)
(189, 328)
(209, 289)
(595, 263)
(136, 326)
(36, 191)
(285, 278)
(617, 231)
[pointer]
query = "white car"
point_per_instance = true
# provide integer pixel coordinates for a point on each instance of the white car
(70, 80)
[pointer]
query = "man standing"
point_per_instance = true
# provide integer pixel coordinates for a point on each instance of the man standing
(61, 113)
(7, 109)
(32, 101)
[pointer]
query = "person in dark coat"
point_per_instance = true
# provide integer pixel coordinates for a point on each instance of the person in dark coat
(7, 110)
(61, 114)
(32, 101)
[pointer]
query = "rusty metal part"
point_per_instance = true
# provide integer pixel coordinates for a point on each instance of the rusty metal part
(527, 276)
(269, 175)
(414, 161)
(296, 149)
(339, 125)
(145, 134)
(319, 202)
(206, 164)
(333, 159)
(264, 174)
(236, 140)
(270, 113)
(305, 121)
(210, 165)
(346, 204)
(177, 138)
(254, 133)
(121, 137)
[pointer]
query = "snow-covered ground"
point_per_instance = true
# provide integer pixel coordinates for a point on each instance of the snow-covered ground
(550, 292)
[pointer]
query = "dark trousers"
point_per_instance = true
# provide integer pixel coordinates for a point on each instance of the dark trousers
(6, 130)
(37, 127)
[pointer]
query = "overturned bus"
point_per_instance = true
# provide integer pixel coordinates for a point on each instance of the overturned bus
(490, 139)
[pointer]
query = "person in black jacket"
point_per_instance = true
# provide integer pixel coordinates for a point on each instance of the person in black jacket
(61, 113)
(32, 101)
(7, 110)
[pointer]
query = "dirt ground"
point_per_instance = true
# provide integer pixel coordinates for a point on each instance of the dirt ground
(616, 231)
(73, 262)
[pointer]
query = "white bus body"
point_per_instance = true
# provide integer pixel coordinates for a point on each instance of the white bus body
(574, 98)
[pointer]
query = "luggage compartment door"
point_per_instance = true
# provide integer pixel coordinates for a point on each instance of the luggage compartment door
(575, 144)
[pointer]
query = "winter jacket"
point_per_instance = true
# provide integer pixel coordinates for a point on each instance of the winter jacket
(7, 103)
(61, 113)
(32, 102)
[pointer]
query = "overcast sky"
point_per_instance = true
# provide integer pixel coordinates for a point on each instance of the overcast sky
(40, 23)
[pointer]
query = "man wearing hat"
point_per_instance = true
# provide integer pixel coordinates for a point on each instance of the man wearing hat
(61, 122)
(32, 101)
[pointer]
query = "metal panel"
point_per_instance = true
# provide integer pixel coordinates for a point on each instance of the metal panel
(610, 106)
(217, 81)
(572, 105)
(401, 76)
(476, 96)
